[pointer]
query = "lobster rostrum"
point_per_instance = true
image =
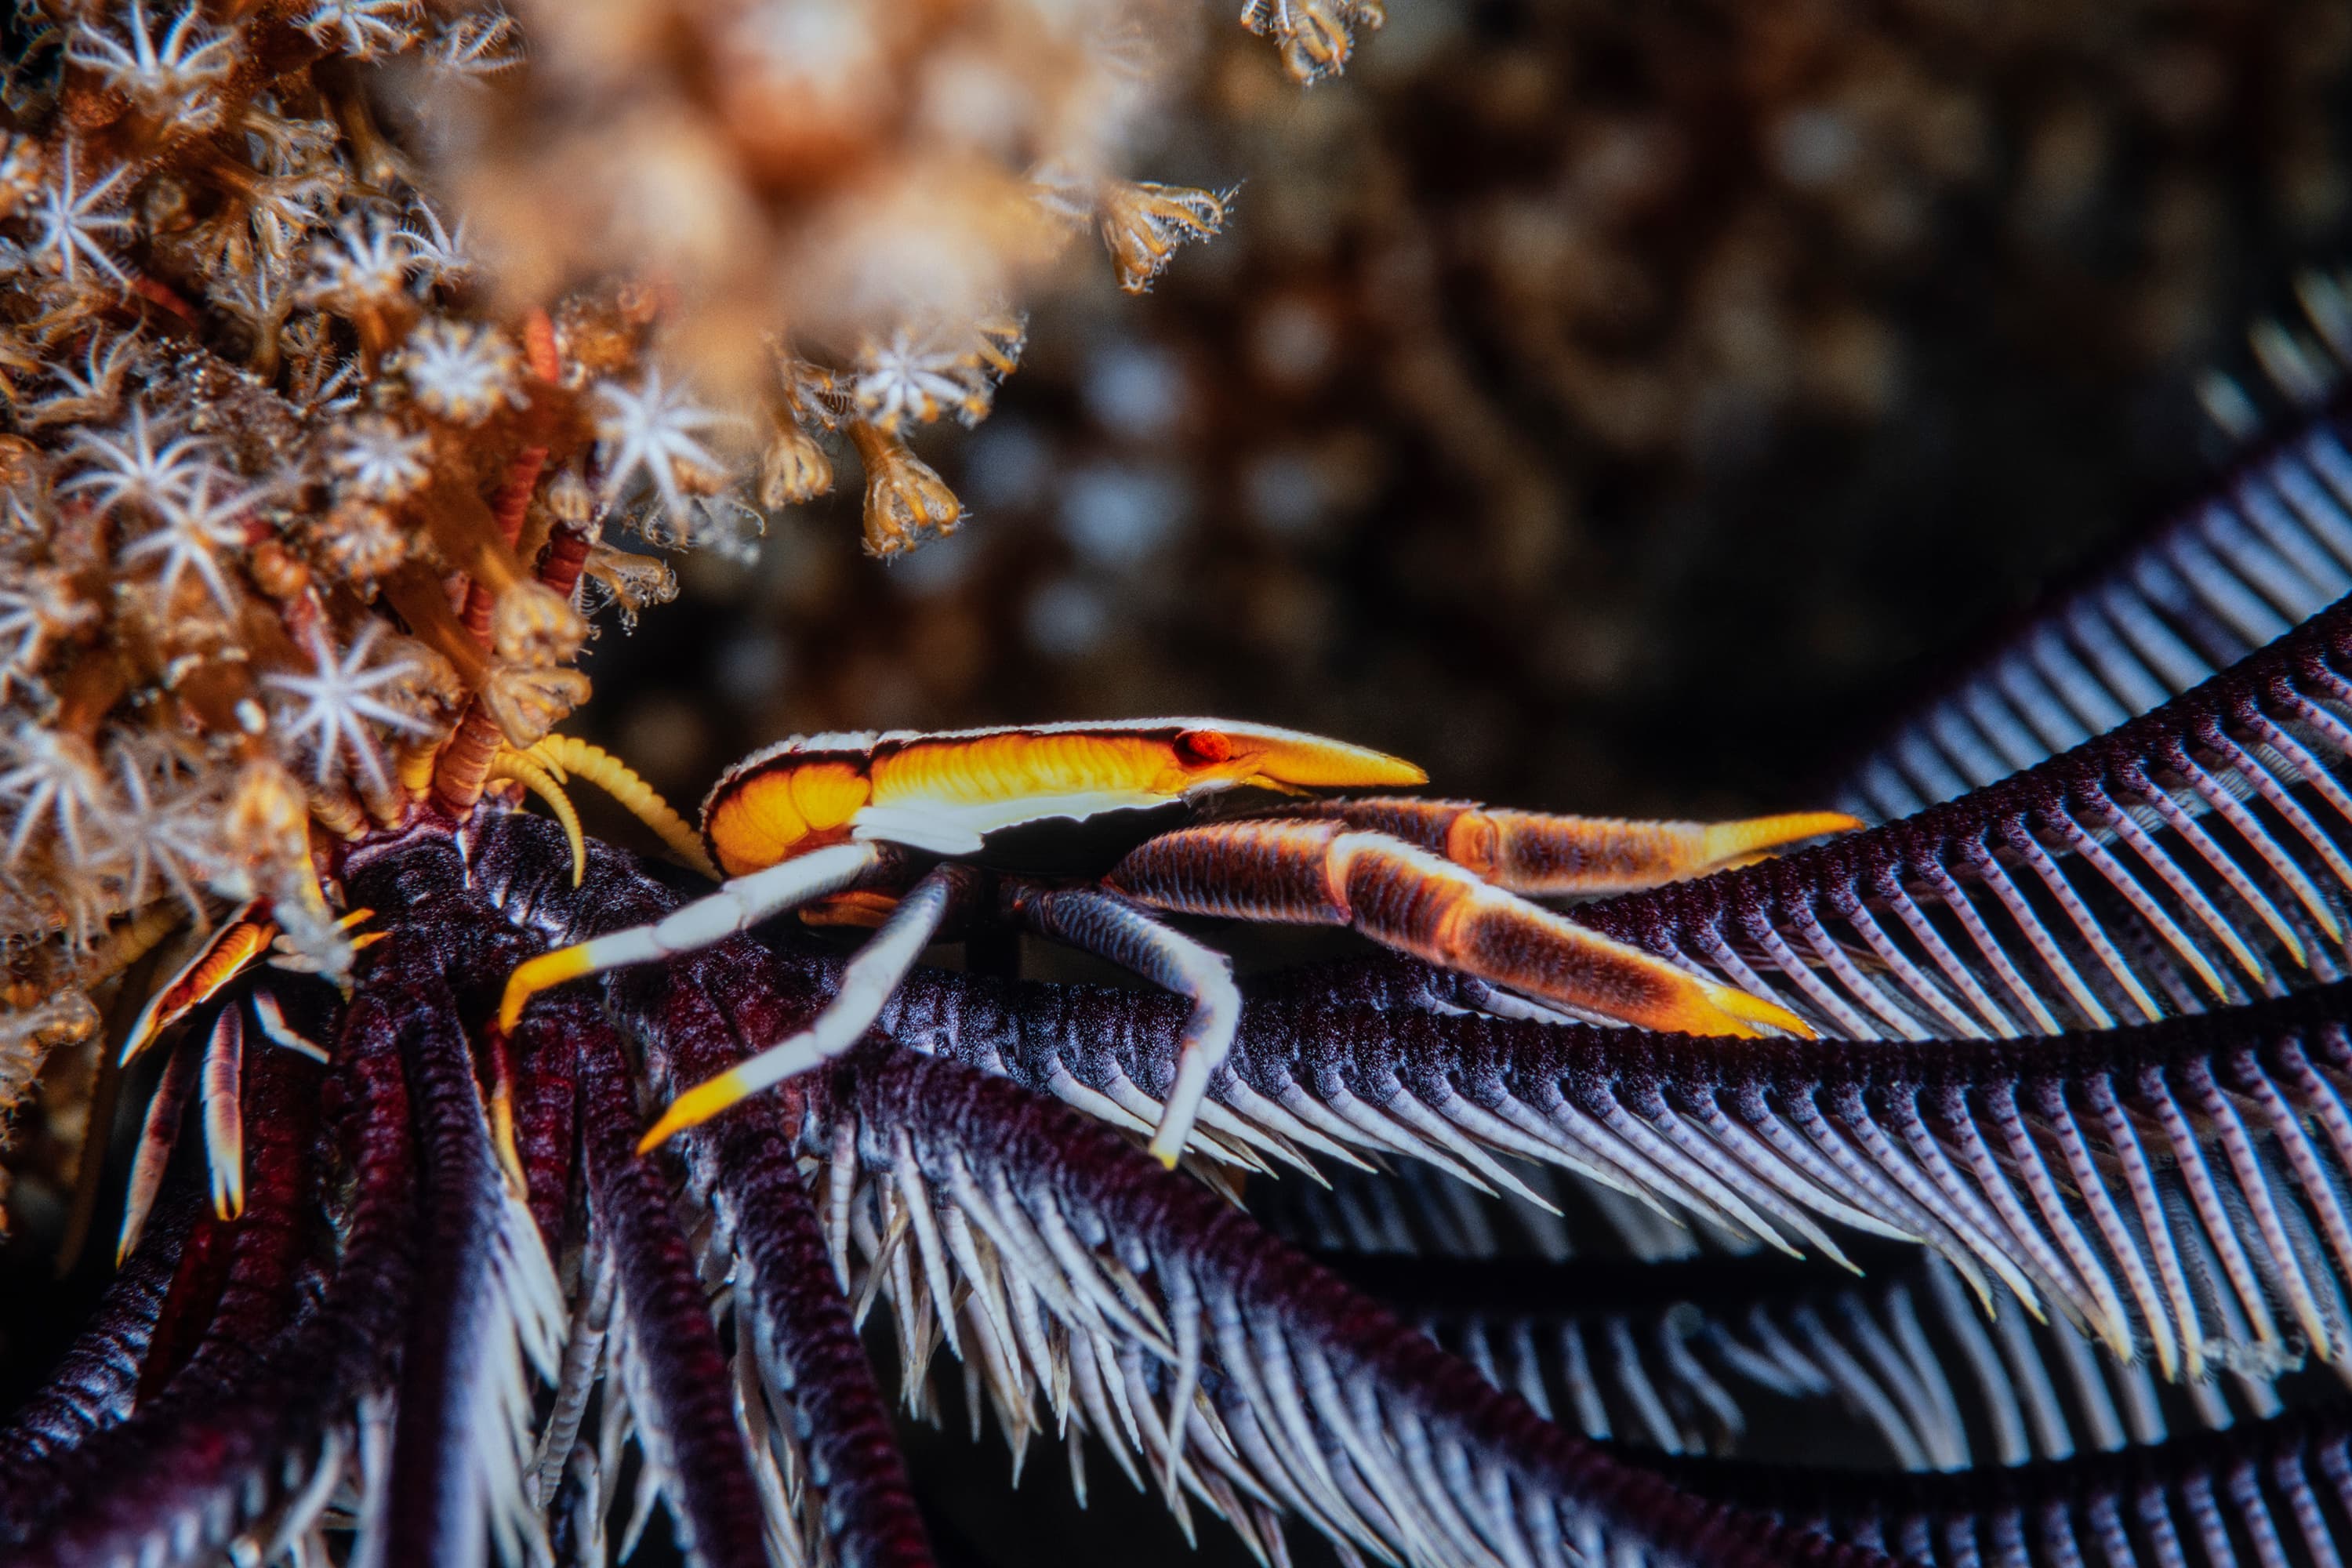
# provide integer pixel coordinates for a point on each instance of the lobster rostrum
(896, 829)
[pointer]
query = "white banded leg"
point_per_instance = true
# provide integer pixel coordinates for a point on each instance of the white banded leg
(736, 906)
(1110, 927)
(867, 983)
(222, 1091)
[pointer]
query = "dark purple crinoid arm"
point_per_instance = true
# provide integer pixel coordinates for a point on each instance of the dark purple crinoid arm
(2282, 1487)
(449, 1472)
(94, 1385)
(792, 1305)
(2192, 857)
(1230, 1361)
(2176, 1187)
(210, 1451)
(2265, 549)
(677, 1379)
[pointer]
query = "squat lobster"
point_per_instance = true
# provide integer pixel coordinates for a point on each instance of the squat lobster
(904, 821)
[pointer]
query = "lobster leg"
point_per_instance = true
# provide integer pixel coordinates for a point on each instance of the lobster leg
(866, 984)
(230, 952)
(1112, 928)
(736, 906)
(1546, 856)
(1312, 873)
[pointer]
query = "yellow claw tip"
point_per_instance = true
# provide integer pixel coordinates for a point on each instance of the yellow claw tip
(692, 1109)
(1311, 762)
(1748, 1016)
(537, 975)
(1742, 843)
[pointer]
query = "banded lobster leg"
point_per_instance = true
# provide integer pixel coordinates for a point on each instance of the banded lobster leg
(1541, 855)
(866, 985)
(736, 906)
(1329, 873)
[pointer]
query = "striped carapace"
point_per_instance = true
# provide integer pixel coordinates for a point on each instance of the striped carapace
(906, 814)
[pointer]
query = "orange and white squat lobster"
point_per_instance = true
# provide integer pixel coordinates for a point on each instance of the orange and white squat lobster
(895, 828)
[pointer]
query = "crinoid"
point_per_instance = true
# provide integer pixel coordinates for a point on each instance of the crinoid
(2077, 1102)
(353, 1351)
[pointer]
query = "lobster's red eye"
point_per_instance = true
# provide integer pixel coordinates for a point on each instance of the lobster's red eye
(1203, 746)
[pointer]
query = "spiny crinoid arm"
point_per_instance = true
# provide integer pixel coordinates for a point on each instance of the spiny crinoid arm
(486, 1296)
(2103, 1173)
(1325, 873)
(697, 1016)
(201, 1455)
(1320, 1399)
(2188, 859)
(96, 1383)
(678, 1376)
(1544, 855)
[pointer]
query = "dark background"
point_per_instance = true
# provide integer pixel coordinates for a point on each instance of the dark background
(1611, 406)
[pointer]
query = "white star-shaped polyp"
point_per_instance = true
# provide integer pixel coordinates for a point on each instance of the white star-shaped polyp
(192, 54)
(55, 778)
(158, 830)
(127, 466)
(363, 29)
(20, 622)
(380, 460)
(435, 253)
(652, 429)
(458, 371)
(330, 711)
(366, 260)
(70, 228)
(907, 380)
(192, 529)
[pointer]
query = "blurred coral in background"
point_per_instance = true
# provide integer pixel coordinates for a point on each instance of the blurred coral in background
(1609, 403)
(358, 355)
